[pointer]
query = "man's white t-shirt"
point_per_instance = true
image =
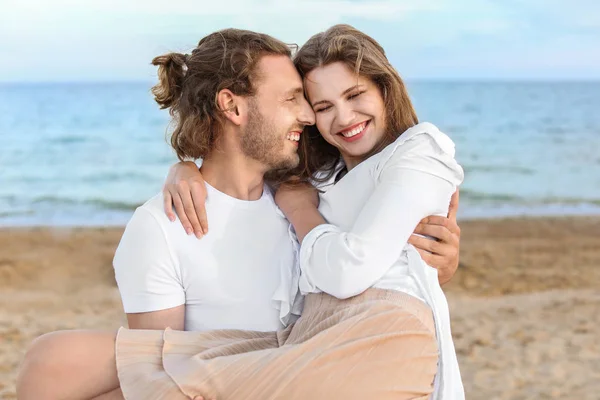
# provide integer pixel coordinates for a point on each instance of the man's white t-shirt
(226, 280)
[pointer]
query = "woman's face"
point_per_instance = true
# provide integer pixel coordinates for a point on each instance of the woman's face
(349, 109)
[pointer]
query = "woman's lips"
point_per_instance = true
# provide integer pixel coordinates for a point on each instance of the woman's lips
(357, 136)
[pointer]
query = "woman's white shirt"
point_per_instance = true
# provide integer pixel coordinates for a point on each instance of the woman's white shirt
(371, 213)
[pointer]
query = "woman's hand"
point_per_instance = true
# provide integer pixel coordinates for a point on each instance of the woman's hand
(185, 189)
(441, 252)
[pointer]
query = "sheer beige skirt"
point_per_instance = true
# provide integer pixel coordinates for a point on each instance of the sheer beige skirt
(377, 345)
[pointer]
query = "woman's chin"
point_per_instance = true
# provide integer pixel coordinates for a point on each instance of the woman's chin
(356, 153)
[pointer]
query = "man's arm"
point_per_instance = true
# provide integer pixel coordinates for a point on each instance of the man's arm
(173, 318)
(148, 275)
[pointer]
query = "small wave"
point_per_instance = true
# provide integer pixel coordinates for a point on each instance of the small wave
(4, 214)
(494, 197)
(98, 203)
(499, 168)
(113, 176)
(569, 201)
(482, 197)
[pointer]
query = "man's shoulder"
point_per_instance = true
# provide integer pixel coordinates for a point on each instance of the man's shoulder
(150, 223)
(154, 207)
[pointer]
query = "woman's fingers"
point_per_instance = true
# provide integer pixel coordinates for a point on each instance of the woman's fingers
(180, 210)
(190, 206)
(189, 209)
(168, 204)
(198, 191)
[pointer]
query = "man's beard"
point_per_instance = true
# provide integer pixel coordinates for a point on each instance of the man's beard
(261, 142)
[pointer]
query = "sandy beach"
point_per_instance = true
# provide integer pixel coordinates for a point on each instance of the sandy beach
(525, 302)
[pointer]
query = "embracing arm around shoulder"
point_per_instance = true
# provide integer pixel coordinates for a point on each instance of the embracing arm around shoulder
(412, 185)
(185, 190)
(148, 275)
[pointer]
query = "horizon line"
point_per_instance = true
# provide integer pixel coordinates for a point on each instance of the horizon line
(407, 80)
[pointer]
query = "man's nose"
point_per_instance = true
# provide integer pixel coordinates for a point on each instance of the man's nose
(307, 115)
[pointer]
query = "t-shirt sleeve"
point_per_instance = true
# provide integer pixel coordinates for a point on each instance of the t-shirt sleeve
(145, 269)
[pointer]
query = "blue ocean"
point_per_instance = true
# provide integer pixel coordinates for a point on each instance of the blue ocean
(88, 154)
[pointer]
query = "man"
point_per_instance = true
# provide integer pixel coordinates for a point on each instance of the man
(238, 104)
(226, 279)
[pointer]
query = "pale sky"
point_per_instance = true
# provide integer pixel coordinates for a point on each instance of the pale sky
(109, 40)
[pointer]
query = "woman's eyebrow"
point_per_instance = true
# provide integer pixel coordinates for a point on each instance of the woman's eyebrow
(351, 89)
(319, 102)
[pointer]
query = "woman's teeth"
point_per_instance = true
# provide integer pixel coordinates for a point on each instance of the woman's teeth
(356, 130)
(293, 136)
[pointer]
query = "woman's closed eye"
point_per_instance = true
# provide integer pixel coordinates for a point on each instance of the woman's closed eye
(349, 98)
(355, 95)
(322, 109)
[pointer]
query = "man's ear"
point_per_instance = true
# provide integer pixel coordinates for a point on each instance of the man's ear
(231, 105)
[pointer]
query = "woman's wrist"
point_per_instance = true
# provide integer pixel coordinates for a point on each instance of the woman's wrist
(304, 220)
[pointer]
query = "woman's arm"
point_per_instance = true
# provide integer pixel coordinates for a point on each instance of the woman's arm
(440, 248)
(185, 189)
(345, 264)
(299, 203)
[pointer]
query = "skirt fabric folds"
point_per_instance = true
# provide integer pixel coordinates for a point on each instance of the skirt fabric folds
(377, 345)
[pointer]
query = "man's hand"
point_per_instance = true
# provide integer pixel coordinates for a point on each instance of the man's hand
(442, 252)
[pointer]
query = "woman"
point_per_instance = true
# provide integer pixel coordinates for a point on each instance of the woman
(382, 331)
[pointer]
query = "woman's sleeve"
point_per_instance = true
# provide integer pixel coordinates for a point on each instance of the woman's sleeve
(416, 181)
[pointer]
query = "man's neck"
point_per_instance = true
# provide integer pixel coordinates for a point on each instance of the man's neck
(234, 174)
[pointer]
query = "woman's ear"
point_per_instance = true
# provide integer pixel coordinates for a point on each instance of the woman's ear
(231, 105)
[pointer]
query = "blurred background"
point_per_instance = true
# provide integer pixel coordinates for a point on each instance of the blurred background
(516, 84)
